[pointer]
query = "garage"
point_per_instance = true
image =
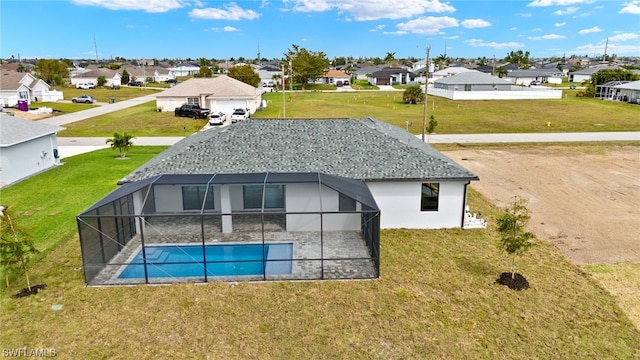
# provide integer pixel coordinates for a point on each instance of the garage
(227, 106)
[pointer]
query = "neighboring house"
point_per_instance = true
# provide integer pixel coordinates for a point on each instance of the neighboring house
(630, 91)
(111, 76)
(364, 72)
(476, 85)
(333, 76)
(585, 74)
(391, 76)
(472, 80)
(17, 86)
(221, 93)
(398, 168)
(450, 71)
(267, 72)
(525, 77)
(26, 148)
(184, 70)
(142, 73)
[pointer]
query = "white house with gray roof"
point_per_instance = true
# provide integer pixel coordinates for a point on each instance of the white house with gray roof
(26, 148)
(414, 185)
(219, 94)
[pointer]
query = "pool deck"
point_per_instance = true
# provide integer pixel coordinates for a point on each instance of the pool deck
(316, 255)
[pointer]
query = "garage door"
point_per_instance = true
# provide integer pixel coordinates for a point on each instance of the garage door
(383, 81)
(227, 106)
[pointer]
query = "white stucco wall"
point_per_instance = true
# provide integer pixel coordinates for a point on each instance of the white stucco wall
(304, 197)
(22, 160)
(399, 204)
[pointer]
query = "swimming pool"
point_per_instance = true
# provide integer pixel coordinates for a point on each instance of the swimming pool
(221, 260)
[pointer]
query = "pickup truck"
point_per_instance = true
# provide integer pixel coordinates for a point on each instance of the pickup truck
(239, 115)
(193, 111)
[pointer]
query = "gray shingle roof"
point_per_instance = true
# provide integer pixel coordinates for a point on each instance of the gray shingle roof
(222, 86)
(364, 149)
(14, 130)
(472, 77)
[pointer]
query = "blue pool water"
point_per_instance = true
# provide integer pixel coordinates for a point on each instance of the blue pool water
(221, 260)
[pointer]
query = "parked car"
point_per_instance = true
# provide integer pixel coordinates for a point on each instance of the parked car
(239, 115)
(345, 83)
(270, 84)
(87, 99)
(86, 86)
(339, 83)
(218, 118)
(193, 111)
(135, 83)
(171, 81)
(535, 83)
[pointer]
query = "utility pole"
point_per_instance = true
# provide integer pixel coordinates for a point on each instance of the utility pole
(284, 98)
(426, 85)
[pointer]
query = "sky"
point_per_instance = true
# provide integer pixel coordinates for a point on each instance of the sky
(181, 29)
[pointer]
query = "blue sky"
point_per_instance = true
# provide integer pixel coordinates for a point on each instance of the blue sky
(368, 28)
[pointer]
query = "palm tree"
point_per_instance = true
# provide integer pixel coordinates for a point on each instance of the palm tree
(122, 142)
(390, 58)
(275, 78)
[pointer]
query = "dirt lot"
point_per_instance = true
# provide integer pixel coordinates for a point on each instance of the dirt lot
(584, 200)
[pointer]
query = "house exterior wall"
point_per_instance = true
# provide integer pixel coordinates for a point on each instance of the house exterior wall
(22, 160)
(516, 93)
(399, 203)
(298, 199)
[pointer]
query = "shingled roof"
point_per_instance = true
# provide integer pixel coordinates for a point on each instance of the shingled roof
(364, 149)
(16, 130)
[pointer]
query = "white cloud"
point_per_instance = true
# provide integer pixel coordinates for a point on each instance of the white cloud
(475, 23)
(624, 37)
(493, 44)
(537, 3)
(151, 6)
(230, 29)
(525, 15)
(632, 7)
(377, 28)
(231, 11)
(427, 25)
(567, 11)
(611, 49)
(372, 10)
(560, 24)
(589, 31)
(547, 37)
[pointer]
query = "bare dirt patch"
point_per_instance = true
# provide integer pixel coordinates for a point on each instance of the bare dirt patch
(30, 116)
(585, 202)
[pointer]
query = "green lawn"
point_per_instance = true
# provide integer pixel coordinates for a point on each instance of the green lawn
(570, 114)
(436, 296)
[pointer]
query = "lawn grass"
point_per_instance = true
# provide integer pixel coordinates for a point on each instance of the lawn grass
(623, 281)
(139, 120)
(46, 205)
(436, 298)
(454, 117)
(570, 114)
(104, 94)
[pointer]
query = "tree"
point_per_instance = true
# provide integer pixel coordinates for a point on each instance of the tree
(101, 80)
(48, 69)
(413, 95)
(125, 77)
(276, 80)
(15, 246)
(606, 75)
(518, 58)
(511, 226)
(245, 74)
(122, 142)
(205, 71)
(307, 65)
(390, 58)
(500, 71)
(432, 126)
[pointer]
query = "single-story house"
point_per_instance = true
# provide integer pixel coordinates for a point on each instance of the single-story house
(267, 73)
(472, 80)
(362, 73)
(142, 73)
(525, 77)
(630, 91)
(318, 189)
(450, 71)
(585, 74)
(111, 76)
(390, 76)
(26, 148)
(18, 86)
(184, 70)
(332, 76)
(219, 94)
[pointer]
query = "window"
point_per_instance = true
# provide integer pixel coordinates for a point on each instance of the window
(429, 200)
(273, 197)
(193, 101)
(346, 203)
(193, 196)
(23, 95)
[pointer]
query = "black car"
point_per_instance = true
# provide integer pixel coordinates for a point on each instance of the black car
(135, 83)
(171, 81)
